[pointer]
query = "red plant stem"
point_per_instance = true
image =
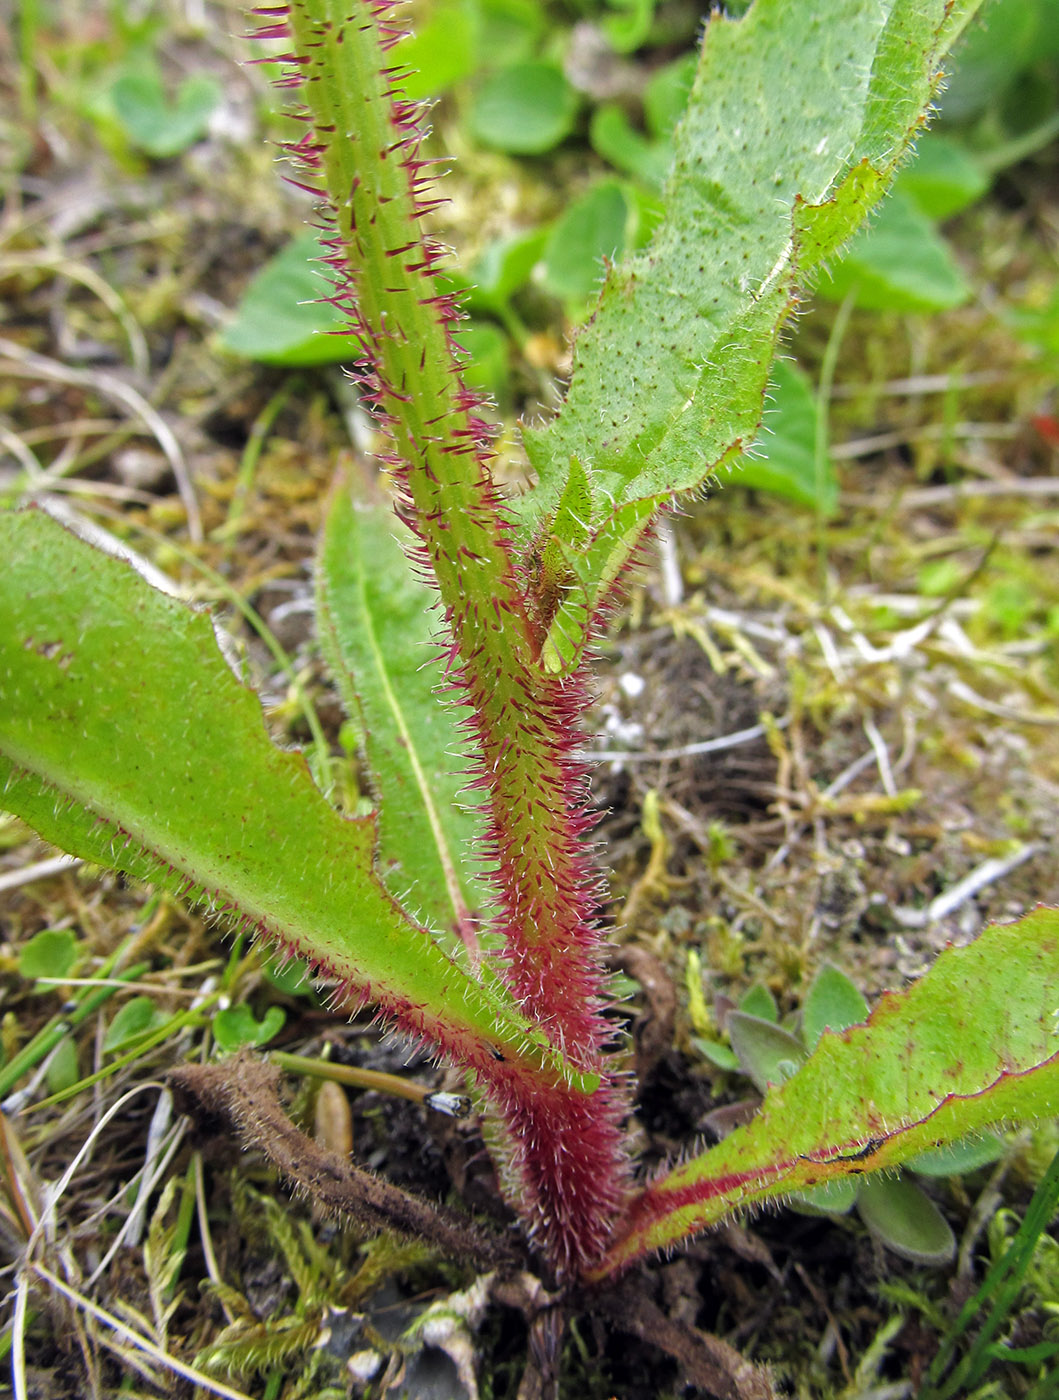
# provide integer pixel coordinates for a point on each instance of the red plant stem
(362, 152)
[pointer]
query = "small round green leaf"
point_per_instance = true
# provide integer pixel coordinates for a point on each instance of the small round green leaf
(667, 93)
(503, 267)
(784, 459)
(291, 976)
(441, 51)
(615, 138)
(50, 953)
(943, 179)
(487, 346)
(900, 263)
(767, 1053)
(593, 228)
(628, 29)
(1002, 43)
(832, 1002)
(965, 1155)
(524, 109)
(155, 124)
(904, 1218)
(281, 319)
(835, 1197)
(63, 1070)
(759, 1001)
(237, 1026)
(134, 1019)
(715, 1052)
(509, 29)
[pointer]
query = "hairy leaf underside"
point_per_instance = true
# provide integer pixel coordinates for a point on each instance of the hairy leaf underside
(973, 1043)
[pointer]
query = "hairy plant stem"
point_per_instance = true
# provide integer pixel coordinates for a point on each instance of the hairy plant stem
(362, 152)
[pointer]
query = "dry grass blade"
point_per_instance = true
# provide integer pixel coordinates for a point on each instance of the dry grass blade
(28, 364)
(141, 1343)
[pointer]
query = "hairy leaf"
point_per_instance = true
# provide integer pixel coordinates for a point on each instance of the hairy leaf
(796, 123)
(974, 1042)
(376, 628)
(903, 1217)
(832, 1003)
(125, 738)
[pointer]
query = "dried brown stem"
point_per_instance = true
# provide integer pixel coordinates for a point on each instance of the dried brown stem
(242, 1092)
(708, 1362)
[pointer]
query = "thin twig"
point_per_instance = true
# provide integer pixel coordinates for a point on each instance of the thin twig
(881, 442)
(213, 1270)
(923, 496)
(28, 364)
(962, 691)
(917, 384)
(950, 900)
(453, 1105)
(725, 741)
(50, 260)
(18, 1339)
(39, 870)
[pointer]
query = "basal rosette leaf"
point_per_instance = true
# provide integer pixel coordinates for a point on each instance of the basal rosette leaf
(125, 737)
(975, 1042)
(378, 627)
(797, 121)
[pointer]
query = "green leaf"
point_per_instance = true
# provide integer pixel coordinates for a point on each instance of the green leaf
(237, 1026)
(628, 30)
(591, 229)
(943, 179)
(281, 320)
(836, 1197)
(524, 109)
(766, 1052)
(784, 460)
(119, 704)
(832, 1003)
(901, 263)
(666, 95)
(132, 1020)
(377, 631)
(503, 267)
(50, 953)
(964, 1155)
(440, 52)
(759, 1001)
(904, 1218)
(973, 1043)
(151, 122)
(63, 1070)
(487, 345)
(615, 138)
(716, 1053)
(292, 976)
(794, 129)
(509, 29)
(994, 51)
